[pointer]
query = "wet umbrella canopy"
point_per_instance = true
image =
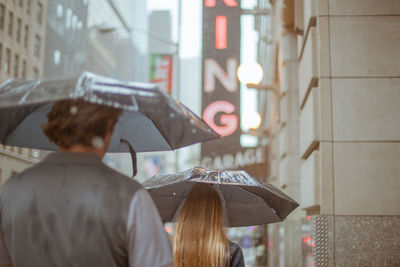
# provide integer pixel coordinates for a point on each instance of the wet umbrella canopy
(245, 201)
(151, 121)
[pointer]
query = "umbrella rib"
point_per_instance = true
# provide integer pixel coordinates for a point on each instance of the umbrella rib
(273, 209)
(162, 134)
(223, 204)
(126, 86)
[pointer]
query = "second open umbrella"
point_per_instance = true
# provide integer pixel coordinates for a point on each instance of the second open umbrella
(245, 200)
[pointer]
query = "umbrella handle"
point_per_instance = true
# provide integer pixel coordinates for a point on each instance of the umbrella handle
(133, 156)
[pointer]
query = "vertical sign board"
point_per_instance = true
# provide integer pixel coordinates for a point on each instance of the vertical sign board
(221, 89)
(161, 71)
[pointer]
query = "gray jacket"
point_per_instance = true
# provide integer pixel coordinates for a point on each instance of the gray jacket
(73, 210)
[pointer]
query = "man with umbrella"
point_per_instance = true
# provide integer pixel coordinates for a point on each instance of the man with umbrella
(71, 209)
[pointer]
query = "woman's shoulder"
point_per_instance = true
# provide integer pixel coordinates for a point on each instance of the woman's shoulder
(233, 246)
(236, 255)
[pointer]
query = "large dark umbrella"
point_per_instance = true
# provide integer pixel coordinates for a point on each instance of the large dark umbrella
(151, 121)
(245, 200)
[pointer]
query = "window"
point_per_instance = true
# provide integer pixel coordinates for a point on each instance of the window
(68, 22)
(23, 74)
(18, 31)
(2, 15)
(35, 73)
(10, 23)
(36, 48)
(39, 13)
(57, 57)
(16, 65)
(28, 7)
(74, 21)
(7, 65)
(26, 36)
(60, 10)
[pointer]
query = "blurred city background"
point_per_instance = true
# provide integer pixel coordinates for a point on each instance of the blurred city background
(305, 92)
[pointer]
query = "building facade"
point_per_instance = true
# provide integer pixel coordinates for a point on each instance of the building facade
(66, 38)
(117, 40)
(22, 38)
(335, 131)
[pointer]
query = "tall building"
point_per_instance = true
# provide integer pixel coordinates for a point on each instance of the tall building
(22, 37)
(160, 26)
(66, 37)
(117, 42)
(335, 129)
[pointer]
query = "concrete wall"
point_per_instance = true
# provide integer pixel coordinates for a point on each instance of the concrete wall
(349, 96)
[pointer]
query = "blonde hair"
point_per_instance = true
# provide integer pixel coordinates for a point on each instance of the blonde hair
(200, 239)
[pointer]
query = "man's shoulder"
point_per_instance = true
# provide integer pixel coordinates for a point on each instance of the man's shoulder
(17, 176)
(99, 174)
(122, 178)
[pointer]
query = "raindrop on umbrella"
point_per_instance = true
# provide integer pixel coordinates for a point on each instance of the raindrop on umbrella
(97, 142)
(73, 110)
(172, 115)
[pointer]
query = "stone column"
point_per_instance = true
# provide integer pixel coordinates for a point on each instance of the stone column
(349, 80)
(287, 250)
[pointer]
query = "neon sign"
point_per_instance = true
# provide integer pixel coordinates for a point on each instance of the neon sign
(221, 94)
(228, 79)
(229, 123)
(211, 3)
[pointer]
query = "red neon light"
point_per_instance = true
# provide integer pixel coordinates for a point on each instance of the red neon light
(220, 32)
(230, 2)
(229, 122)
(211, 3)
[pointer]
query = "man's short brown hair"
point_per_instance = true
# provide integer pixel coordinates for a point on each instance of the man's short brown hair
(72, 122)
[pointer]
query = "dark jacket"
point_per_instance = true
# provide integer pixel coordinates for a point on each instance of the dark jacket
(72, 210)
(236, 255)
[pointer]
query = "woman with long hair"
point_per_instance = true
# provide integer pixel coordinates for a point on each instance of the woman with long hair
(200, 240)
